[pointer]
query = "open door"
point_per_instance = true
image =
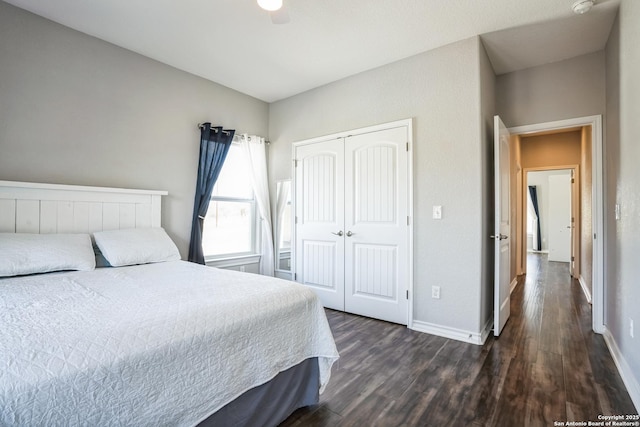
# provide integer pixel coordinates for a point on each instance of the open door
(502, 175)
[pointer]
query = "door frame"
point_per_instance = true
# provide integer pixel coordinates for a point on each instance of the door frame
(408, 123)
(597, 209)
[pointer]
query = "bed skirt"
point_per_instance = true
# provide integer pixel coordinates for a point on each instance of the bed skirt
(271, 403)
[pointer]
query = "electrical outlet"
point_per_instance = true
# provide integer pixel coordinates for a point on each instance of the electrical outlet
(631, 327)
(435, 292)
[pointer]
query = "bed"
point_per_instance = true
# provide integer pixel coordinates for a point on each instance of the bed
(150, 339)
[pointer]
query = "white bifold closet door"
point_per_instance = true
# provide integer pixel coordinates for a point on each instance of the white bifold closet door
(352, 235)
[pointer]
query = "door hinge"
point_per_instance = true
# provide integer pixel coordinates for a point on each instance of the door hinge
(594, 236)
(294, 276)
(573, 258)
(295, 163)
(408, 220)
(573, 180)
(407, 294)
(296, 221)
(407, 146)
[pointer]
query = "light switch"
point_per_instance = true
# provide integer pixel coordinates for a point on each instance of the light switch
(437, 212)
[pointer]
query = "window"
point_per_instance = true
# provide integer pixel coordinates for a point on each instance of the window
(230, 225)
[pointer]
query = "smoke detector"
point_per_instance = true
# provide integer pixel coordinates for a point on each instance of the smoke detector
(582, 6)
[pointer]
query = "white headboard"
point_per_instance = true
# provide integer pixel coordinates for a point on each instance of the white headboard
(27, 207)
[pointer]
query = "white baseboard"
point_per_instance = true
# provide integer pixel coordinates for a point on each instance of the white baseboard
(513, 284)
(477, 338)
(630, 381)
(585, 289)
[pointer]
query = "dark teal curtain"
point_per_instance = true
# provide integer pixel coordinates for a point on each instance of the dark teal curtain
(534, 201)
(214, 146)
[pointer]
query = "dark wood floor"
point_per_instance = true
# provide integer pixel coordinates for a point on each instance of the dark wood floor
(546, 366)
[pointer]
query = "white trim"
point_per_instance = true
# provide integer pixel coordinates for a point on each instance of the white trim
(283, 274)
(585, 289)
(79, 188)
(513, 285)
(598, 197)
(477, 338)
(359, 131)
(410, 285)
(627, 375)
(233, 261)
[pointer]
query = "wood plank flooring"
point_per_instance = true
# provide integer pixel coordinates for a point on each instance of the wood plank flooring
(546, 366)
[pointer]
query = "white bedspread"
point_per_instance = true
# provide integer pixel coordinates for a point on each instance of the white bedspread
(159, 344)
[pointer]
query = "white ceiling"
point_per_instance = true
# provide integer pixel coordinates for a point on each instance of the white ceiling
(234, 43)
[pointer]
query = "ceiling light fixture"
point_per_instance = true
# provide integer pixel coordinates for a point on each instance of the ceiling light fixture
(582, 6)
(270, 5)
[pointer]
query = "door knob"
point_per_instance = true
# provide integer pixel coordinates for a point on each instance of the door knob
(349, 234)
(339, 233)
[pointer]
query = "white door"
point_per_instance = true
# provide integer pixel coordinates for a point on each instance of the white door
(502, 175)
(376, 225)
(319, 201)
(560, 218)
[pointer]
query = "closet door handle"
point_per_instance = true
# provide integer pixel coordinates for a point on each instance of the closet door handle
(349, 234)
(339, 233)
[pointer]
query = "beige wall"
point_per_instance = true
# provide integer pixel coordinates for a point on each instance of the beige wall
(622, 244)
(516, 202)
(447, 132)
(77, 110)
(557, 149)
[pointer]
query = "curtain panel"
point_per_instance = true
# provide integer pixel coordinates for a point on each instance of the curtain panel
(214, 146)
(254, 148)
(533, 193)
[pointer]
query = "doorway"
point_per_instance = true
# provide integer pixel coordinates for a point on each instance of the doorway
(552, 215)
(590, 250)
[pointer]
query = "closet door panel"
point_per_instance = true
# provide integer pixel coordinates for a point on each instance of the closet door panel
(377, 234)
(319, 204)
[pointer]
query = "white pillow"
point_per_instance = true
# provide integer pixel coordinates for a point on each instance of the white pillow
(136, 246)
(22, 253)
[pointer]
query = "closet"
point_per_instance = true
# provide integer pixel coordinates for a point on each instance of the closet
(352, 220)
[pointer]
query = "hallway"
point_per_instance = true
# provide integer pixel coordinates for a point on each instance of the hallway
(546, 366)
(561, 370)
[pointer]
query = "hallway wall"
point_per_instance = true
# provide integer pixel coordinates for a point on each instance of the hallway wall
(622, 244)
(561, 90)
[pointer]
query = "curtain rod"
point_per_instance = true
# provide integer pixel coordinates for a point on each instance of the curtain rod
(201, 125)
(237, 135)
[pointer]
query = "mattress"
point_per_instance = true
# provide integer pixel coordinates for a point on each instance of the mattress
(156, 344)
